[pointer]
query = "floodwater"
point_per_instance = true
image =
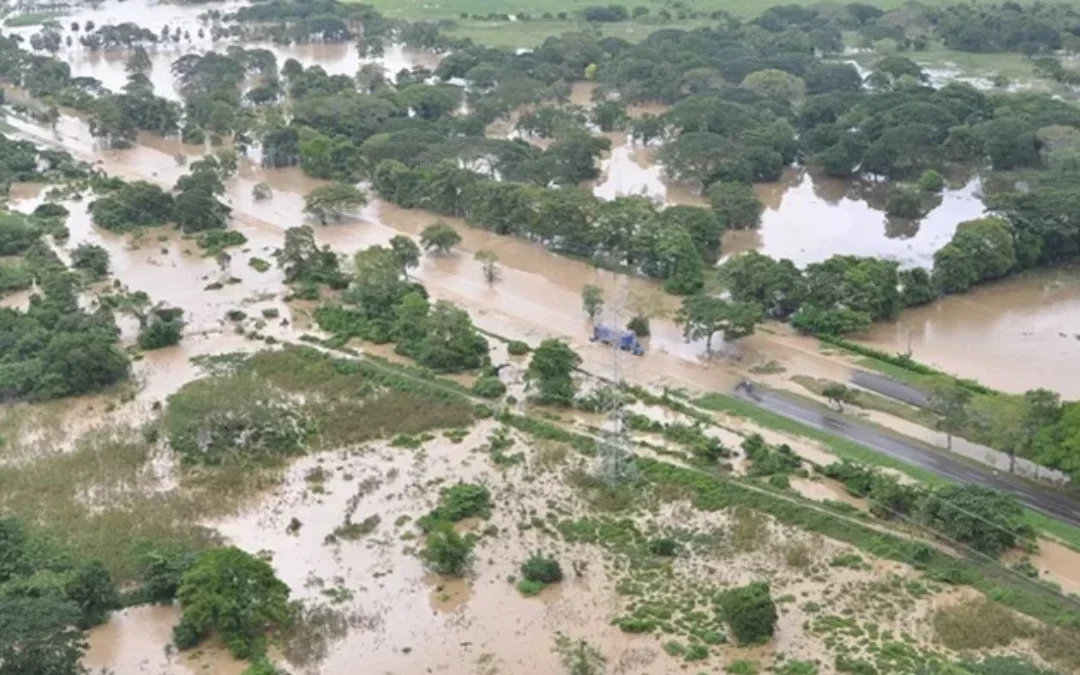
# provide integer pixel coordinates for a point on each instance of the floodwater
(134, 642)
(402, 619)
(1014, 335)
(108, 66)
(826, 489)
(808, 218)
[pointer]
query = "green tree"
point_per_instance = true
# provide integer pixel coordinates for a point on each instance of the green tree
(39, 635)
(550, 370)
(837, 393)
(931, 181)
(592, 300)
(490, 265)
(750, 613)
(406, 252)
(903, 202)
(980, 249)
(452, 343)
(736, 204)
(446, 552)
(439, 237)
(330, 202)
(949, 400)
(989, 521)
(776, 285)
(234, 594)
(92, 258)
(776, 84)
(377, 285)
(304, 261)
(702, 316)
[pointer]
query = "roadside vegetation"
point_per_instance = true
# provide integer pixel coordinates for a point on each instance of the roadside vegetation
(702, 540)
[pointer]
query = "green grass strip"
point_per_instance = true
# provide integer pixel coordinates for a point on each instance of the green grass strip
(842, 447)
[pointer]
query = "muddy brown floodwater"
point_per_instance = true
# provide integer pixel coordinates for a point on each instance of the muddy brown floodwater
(108, 66)
(1013, 335)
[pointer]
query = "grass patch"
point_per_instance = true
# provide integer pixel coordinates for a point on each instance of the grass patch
(533, 33)
(714, 493)
(842, 447)
(870, 401)
(33, 19)
(979, 624)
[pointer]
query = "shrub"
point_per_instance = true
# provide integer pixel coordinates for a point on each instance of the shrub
(489, 386)
(92, 258)
(639, 325)
(541, 569)
(750, 612)
(662, 547)
(530, 588)
(517, 348)
(464, 500)
(741, 667)
(447, 552)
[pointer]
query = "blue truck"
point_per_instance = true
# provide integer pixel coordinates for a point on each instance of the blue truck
(625, 339)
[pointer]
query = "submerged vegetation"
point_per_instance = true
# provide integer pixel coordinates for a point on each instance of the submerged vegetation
(704, 539)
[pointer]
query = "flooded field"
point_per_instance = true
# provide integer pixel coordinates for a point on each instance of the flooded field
(369, 600)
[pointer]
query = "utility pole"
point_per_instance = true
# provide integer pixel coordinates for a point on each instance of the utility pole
(616, 455)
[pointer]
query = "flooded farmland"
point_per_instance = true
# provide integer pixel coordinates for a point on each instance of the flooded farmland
(370, 601)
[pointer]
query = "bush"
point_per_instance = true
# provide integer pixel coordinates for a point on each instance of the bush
(464, 500)
(164, 328)
(447, 552)
(904, 202)
(517, 348)
(92, 258)
(639, 325)
(215, 241)
(489, 386)
(841, 321)
(662, 547)
(530, 588)
(541, 569)
(750, 612)
(931, 181)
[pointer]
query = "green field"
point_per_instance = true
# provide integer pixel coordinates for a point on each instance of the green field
(532, 33)
(419, 9)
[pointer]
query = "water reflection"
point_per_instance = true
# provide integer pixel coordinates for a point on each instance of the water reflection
(809, 218)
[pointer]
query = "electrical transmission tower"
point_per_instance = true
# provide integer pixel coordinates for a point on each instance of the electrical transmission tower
(616, 454)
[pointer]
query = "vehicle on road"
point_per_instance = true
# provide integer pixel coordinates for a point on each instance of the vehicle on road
(626, 340)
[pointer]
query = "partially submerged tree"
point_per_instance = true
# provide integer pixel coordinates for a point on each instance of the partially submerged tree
(330, 202)
(439, 237)
(490, 265)
(592, 300)
(702, 316)
(551, 370)
(406, 252)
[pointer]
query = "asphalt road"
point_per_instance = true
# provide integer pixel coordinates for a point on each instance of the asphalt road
(1054, 503)
(891, 388)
